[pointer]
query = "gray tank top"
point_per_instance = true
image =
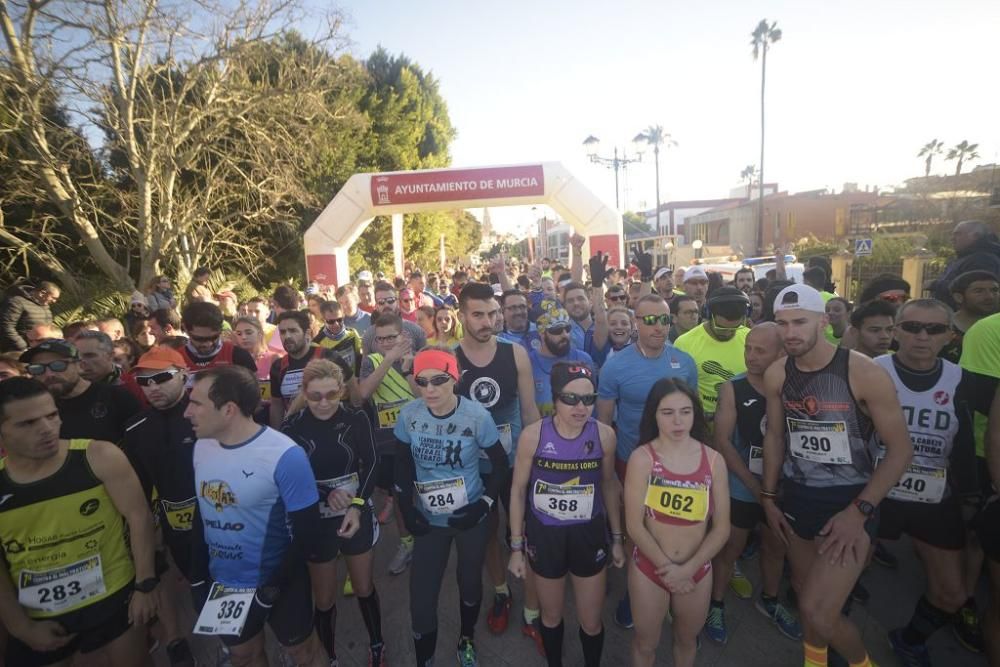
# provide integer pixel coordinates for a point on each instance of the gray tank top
(830, 441)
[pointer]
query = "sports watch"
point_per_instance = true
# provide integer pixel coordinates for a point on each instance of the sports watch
(147, 585)
(864, 507)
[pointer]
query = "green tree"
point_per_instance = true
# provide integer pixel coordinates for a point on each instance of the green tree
(634, 222)
(762, 37)
(748, 174)
(961, 152)
(928, 152)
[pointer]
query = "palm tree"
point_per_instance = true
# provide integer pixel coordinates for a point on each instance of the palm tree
(748, 174)
(656, 137)
(962, 151)
(763, 36)
(930, 149)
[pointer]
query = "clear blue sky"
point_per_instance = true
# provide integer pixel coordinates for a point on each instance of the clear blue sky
(854, 88)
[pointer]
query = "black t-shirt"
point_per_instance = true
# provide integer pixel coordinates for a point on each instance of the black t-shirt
(287, 371)
(99, 413)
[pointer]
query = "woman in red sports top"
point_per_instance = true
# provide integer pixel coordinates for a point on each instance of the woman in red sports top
(677, 515)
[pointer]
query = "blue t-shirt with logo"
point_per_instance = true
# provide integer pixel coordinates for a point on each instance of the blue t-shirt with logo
(541, 371)
(445, 450)
(627, 377)
(245, 492)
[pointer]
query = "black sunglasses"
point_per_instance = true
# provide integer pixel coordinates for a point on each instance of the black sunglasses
(617, 297)
(932, 328)
(335, 320)
(156, 378)
(57, 366)
(205, 339)
(437, 380)
(650, 320)
(558, 330)
(572, 399)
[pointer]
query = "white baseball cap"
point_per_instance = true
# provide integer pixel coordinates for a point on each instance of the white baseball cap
(695, 273)
(799, 297)
(662, 271)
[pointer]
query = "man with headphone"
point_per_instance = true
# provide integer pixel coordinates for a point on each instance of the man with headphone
(717, 343)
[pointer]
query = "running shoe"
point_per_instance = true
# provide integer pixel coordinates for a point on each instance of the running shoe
(467, 653)
(967, 630)
(910, 655)
(884, 557)
(179, 654)
(348, 587)
(499, 614)
(404, 554)
(376, 656)
(752, 547)
(781, 617)
(387, 513)
(532, 631)
(623, 613)
(740, 584)
(715, 624)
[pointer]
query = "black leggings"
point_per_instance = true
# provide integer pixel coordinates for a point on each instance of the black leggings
(430, 558)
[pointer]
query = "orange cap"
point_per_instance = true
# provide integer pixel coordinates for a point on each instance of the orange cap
(161, 357)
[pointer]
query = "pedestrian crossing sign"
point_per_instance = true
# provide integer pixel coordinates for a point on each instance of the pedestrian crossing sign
(862, 247)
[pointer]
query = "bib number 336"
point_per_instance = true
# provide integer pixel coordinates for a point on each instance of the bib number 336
(226, 610)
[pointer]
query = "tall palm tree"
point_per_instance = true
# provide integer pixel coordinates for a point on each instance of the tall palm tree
(762, 37)
(930, 149)
(748, 174)
(962, 151)
(656, 137)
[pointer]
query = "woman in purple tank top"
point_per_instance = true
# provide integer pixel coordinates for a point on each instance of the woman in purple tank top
(564, 497)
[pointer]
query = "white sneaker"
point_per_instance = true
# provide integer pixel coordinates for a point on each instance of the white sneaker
(404, 554)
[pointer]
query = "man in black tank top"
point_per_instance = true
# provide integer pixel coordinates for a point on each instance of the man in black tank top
(498, 375)
(824, 405)
(740, 423)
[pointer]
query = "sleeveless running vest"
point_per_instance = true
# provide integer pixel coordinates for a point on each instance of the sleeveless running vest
(830, 441)
(224, 357)
(495, 387)
(679, 499)
(748, 439)
(63, 538)
(391, 395)
(565, 482)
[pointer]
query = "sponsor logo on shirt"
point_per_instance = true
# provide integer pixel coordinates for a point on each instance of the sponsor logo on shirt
(218, 493)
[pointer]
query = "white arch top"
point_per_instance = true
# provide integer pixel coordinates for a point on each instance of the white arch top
(365, 196)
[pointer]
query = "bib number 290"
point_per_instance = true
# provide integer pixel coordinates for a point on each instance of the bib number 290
(813, 443)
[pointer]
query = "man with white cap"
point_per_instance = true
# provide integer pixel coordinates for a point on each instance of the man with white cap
(663, 283)
(824, 407)
(696, 284)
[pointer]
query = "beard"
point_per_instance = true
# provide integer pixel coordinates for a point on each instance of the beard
(557, 346)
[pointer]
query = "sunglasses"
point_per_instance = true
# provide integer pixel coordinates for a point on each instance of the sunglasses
(558, 330)
(932, 328)
(156, 378)
(317, 396)
(573, 399)
(387, 301)
(617, 297)
(895, 298)
(437, 380)
(336, 320)
(205, 339)
(57, 366)
(650, 320)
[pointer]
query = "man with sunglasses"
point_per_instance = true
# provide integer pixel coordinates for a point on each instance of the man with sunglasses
(717, 344)
(925, 503)
(554, 326)
(202, 322)
(87, 409)
(499, 376)
(159, 443)
(387, 301)
(626, 380)
(338, 337)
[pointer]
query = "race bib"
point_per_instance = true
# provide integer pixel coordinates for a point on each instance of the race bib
(179, 515)
(680, 502)
(756, 460)
(920, 484)
(819, 442)
(506, 439)
(388, 413)
(226, 610)
(565, 502)
(62, 588)
(265, 390)
(443, 496)
(348, 483)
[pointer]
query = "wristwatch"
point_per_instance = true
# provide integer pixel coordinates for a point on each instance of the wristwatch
(147, 585)
(864, 507)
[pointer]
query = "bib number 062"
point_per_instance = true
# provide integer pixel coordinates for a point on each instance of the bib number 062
(677, 502)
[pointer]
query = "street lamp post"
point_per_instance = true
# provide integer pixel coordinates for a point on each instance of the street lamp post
(697, 244)
(592, 145)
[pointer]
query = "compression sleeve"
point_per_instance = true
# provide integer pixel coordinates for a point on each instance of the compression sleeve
(404, 472)
(199, 550)
(306, 528)
(962, 468)
(500, 471)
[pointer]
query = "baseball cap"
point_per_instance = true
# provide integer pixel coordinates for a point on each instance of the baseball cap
(799, 297)
(695, 273)
(138, 297)
(365, 277)
(662, 271)
(61, 347)
(161, 357)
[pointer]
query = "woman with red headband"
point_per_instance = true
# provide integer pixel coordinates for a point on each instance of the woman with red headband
(441, 436)
(565, 473)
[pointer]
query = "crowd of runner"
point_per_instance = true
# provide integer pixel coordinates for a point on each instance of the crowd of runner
(544, 420)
